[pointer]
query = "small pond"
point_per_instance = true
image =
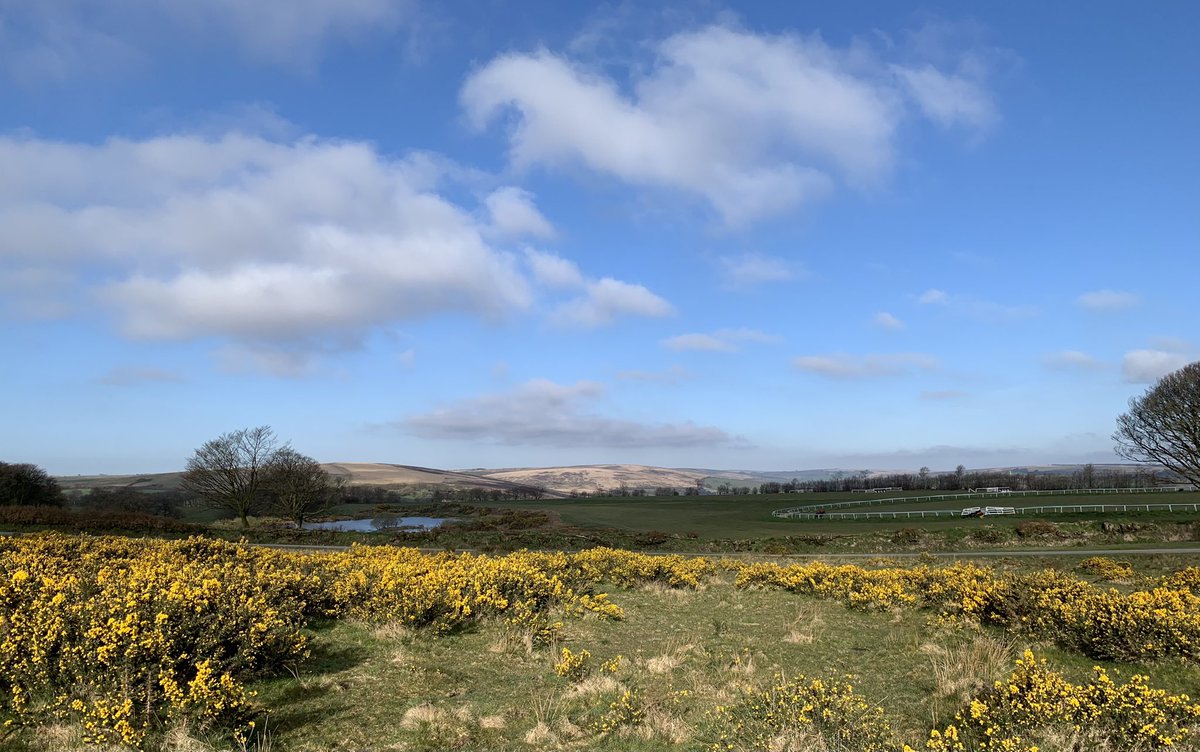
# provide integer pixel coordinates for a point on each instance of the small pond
(380, 524)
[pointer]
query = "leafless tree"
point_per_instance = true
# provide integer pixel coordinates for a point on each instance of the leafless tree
(228, 472)
(298, 487)
(1163, 425)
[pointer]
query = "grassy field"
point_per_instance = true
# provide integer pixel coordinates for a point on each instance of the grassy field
(732, 517)
(680, 654)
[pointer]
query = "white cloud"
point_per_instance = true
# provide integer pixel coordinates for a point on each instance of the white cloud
(544, 413)
(553, 271)
(885, 320)
(722, 340)
(753, 269)
(704, 342)
(948, 99)
(52, 41)
(753, 124)
(306, 243)
(1148, 366)
(1103, 301)
(515, 215)
(407, 358)
(605, 300)
(986, 310)
(848, 367)
(1069, 360)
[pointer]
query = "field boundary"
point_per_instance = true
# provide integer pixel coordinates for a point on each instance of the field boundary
(802, 512)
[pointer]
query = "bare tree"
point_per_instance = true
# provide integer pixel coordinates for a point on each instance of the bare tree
(298, 487)
(1163, 425)
(228, 471)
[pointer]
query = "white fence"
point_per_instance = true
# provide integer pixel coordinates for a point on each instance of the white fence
(803, 512)
(1067, 509)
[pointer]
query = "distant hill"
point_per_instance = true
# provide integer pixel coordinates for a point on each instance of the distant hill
(557, 481)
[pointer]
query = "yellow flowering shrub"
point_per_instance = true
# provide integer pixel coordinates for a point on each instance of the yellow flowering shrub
(1107, 569)
(572, 665)
(801, 713)
(1036, 703)
(127, 636)
(1103, 623)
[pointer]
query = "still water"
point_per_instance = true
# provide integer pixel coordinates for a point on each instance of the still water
(378, 524)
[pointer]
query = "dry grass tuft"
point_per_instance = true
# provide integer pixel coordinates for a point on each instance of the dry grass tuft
(806, 627)
(422, 715)
(541, 735)
(596, 684)
(493, 722)
(959, 672)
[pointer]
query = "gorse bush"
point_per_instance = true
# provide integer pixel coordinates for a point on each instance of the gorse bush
(1035, 707)
(802, 713)
(128, 637)
(1163, 621)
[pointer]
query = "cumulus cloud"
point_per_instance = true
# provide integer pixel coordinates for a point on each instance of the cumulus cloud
(722, 340)
(552, 270)
(1148, 366)
(605, 300)
(932, 297)
(753, 269)
(305, 243)
(515, 215)
(885, 320)
(1073, 360)
(545, 413)
(753, 124)
(852, 367)
(42, 41)
(1105, 301)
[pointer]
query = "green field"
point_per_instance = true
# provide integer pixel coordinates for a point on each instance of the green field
(733, 517)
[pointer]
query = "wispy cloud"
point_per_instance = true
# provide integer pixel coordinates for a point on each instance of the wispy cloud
(943, 395)
(140, 375)
(885, 320)
(1107, 301)
(854, 367)
(752, 269)
(977, 308)
(673, 375)
(722, 340)
(544, 413)
(1073, 360)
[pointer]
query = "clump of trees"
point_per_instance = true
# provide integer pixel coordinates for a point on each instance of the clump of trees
(26, 485)
(249, 471)
(1163, 425)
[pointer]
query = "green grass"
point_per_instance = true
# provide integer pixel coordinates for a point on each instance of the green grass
(379, 688)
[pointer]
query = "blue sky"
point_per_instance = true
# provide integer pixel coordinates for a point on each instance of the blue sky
(481, 234)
